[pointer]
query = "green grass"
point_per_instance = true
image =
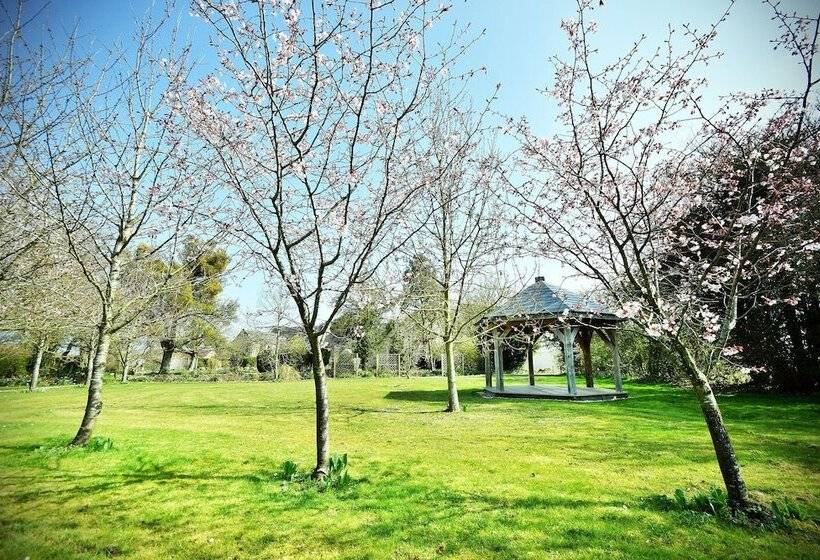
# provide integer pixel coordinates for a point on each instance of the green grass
(192, 474)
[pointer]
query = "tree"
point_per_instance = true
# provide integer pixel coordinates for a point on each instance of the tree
(461, 230)
(34, 80)
(119, 176)
(274, 316)
(315, 122)
(45, 308)
(610, 193)
(362, 321)
(417, 301)
(192, 313)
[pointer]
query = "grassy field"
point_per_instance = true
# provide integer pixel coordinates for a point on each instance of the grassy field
(193, 474)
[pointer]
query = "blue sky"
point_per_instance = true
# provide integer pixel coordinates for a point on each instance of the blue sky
(520, 36)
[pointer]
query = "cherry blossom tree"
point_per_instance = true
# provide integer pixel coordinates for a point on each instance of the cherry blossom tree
(35, 80)
(640, 151)
(317, 121)
(461, 230)
(121, 187)
(47, 307)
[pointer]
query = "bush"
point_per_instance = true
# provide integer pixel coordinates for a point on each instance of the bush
(13, 362)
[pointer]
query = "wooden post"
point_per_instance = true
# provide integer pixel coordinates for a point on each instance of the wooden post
(567, 335)
(585, 341)
(616, 362)
(488, 372)
(499, 364)
(530, 366)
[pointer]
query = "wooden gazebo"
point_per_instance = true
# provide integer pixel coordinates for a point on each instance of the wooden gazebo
(541, 308)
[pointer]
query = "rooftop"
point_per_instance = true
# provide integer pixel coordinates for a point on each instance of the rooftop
(542, 299)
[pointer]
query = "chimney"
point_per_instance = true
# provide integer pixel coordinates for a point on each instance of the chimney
(539, 278)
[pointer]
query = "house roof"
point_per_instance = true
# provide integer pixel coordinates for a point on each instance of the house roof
(542, 299)
(328, 339)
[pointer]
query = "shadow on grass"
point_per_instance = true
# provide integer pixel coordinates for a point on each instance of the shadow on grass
(435, 396)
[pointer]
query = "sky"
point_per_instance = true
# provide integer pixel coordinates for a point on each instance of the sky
(520, 37)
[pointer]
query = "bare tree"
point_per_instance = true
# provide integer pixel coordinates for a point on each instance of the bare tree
(461, 230)
(123, 188)
(613, 191)
(47, 307)
(317, 122)
(36, 80)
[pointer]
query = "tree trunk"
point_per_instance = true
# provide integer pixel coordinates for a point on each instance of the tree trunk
(276, 356)
(736, 492)
(585, 341)
(530, 364)
(94, 403)
(194, 361)
(92, 351)
(322, 410)
(38, 360)
(126, 366)
(168, 347)
(452, 392)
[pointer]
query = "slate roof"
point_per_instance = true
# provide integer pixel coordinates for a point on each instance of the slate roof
(541, 298)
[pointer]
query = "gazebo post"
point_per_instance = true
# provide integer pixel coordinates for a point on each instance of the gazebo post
(488, 373)
(530, 366)
(499, 364)
(567, 335)
(616, 362)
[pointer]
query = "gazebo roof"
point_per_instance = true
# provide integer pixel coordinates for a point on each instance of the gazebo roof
(545, 300)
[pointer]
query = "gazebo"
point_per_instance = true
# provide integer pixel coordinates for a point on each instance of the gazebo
(541, 308)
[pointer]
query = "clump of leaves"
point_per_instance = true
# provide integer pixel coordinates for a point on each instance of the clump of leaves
(99, 444)
(289, 471)
(336, 478)
(714, 503)
(784, 511)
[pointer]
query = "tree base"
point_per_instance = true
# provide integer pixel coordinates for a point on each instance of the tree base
(752, 513)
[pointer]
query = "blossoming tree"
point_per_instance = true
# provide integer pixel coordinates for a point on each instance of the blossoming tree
(639, 152)
(462, 230)
(316, 121)
(121, 188)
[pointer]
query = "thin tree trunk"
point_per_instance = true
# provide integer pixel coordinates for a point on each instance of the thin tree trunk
(38, 360)
(452, 391)
(94, 403)
(276, 356)
(194, 360)
(736, 491)
(168, 347)
(322, 410)
(92, 351)
(126, 366)
(585, 340)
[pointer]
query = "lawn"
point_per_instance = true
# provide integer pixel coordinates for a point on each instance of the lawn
(192, 474)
